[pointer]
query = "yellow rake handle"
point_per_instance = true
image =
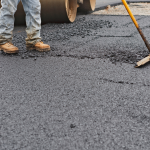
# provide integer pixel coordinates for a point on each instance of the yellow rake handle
(136, 24)
(130, 13)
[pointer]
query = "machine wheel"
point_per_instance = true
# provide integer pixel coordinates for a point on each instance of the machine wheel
(88, 5)
(58, 11)
(20, 15)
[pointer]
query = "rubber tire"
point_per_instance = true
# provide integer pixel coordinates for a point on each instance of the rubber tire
(87, 6)
(20, 15)
(58, 11)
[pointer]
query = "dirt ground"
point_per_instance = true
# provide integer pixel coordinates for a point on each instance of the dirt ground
(136, 8)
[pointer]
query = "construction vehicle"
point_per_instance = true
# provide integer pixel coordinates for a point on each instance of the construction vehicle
(57, 11)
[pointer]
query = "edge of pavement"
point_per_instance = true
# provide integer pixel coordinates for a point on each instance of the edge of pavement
(103, 6)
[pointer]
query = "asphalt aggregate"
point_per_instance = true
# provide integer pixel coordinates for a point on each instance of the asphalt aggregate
(110, 30)
(85, 94)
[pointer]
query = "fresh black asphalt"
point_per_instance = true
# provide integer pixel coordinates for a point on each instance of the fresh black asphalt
(85, 94)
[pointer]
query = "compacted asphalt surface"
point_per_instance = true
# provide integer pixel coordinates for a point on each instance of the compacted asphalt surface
(85, 94)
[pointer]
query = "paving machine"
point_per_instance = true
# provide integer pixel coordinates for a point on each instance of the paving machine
(57, 10)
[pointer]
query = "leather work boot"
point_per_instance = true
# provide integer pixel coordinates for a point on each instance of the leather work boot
(9, 48)
(40, 46)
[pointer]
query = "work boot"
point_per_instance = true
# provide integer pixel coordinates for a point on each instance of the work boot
(40, 46)
(9, 48)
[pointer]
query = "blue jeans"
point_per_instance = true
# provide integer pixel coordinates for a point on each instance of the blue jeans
(32, 9)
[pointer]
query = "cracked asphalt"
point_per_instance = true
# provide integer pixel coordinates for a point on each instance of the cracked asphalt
(85, 94)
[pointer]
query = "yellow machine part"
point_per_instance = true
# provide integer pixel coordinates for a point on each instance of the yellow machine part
(56, 10)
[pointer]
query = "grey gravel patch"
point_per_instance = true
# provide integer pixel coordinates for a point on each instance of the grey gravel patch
(92, 36)
(62, 33)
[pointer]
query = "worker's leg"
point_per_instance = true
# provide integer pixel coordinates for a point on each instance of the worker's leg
(33, 21)
(7, 12)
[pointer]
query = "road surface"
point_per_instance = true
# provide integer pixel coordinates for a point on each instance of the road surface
(83, 95)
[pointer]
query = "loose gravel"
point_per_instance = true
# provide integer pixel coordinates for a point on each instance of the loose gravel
(91, 36)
